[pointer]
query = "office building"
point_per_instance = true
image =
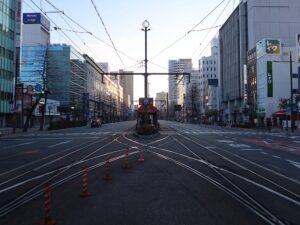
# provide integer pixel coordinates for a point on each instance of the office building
(8, 11)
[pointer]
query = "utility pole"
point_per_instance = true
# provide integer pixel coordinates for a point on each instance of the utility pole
(291, 101)
(146, 28)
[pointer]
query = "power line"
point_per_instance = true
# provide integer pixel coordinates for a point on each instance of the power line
(107, 33)
(179, 39)
(83, 28)
(221, 13)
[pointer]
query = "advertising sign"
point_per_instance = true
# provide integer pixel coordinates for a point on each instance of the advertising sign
(273, 47)
(298, 47)
(268, 46)
(269, 79)
(36, 18)
(213, 82)
(85, 105)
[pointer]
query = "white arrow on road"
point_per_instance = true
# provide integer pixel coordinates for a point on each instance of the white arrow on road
(61, 143)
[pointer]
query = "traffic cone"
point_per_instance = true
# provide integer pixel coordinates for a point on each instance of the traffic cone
(141, 158)
(107, 175)
(48, 220)
(126, 164)
(84, 192)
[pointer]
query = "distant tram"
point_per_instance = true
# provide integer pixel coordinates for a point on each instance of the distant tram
(147, 115)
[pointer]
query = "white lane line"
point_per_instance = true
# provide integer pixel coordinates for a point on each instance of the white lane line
(267, 143)
(275, 167)
(251, 149)
(264, 153)
(225, 141)
(12, 146)
(61, 143)
(276, 156)
(294, 163)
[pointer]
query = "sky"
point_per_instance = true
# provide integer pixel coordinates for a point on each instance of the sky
(170, 21)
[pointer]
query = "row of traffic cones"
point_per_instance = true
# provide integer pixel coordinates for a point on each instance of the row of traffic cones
(48, 220)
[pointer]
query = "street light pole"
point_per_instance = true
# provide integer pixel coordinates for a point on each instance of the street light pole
(146, 28)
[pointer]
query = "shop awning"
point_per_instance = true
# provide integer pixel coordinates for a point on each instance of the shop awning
(279, 113)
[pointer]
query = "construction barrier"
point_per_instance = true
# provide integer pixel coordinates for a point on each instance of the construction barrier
(141, 157)
(107, 175)
(126, 159)
(84, 192)
(47, 207)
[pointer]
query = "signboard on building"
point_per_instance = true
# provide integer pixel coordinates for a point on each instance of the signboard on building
(269, 79)
(298, 47)
(213, 82)
(36, 18)
(268, 46)
(32, 70)
(273, 47)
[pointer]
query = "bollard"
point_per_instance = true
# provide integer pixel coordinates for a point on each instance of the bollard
(126, 163)
(141, 157)
(107, 175)
(47, 207)
(84, 192)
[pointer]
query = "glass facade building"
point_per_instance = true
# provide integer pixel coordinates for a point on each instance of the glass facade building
(7, 56)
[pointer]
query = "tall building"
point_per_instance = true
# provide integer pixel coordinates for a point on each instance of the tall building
(8, 11)
(209, 84)
(160, 102)
(178, 84)
(35, 30)
(251, 21)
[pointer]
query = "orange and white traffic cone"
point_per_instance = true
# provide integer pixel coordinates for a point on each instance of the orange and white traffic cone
(107, 175)
(126, 163)
(141, 157)
(48, 220)
(84, 192)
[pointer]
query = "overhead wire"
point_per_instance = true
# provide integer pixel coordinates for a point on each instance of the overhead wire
(87, 31)
(221, 13)
(111, 41)
(187, 33)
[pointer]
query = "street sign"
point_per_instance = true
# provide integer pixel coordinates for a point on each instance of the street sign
(38, 87)
(145, 101)
(30, 90)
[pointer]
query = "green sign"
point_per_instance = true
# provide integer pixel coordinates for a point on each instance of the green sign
(269, 79)
(273, 47)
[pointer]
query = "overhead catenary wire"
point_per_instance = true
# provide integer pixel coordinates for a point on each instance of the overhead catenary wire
(213, 25)
(111, 41)
(187, 33)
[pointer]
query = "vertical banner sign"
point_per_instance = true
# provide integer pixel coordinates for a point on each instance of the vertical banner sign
(299, 78)
(85, 105)
(269, 79)
(298, 47)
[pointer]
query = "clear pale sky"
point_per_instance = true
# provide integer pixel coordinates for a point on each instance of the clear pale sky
(169, 20)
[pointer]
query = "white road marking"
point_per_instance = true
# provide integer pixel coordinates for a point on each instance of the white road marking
(294, 163)
(264, 153)
(239, 145)
(61, 143)
(251, 149)
(267, 143)
(275, 167)
(276, 156)
(12, 146)
(225, 141)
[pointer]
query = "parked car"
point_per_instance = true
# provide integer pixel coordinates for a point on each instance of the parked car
(96, 123)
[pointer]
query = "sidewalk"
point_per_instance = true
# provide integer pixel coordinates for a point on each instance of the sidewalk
(8, 131)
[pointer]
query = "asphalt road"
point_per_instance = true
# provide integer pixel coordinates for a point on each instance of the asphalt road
(191, 174)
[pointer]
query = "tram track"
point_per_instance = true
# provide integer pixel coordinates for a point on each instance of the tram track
(35, 180)
(233, 188)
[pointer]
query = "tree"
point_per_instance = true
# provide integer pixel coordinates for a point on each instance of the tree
(43, 93)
